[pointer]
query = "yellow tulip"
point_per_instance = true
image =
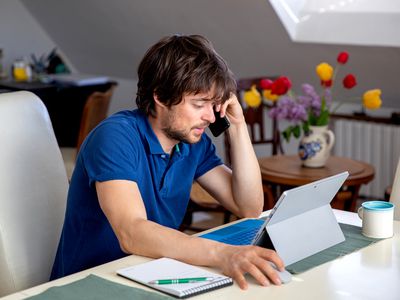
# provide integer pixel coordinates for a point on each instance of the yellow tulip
(252, 97)
(372, 99)
(324, 71)
(268, 95)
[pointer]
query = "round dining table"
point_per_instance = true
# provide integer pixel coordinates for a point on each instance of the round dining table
(282, 172)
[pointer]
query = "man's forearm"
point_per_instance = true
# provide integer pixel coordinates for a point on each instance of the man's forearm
(246, 176)
(153, 240)
(233, 261)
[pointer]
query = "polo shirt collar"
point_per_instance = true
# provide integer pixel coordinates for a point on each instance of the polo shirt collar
(181, 149)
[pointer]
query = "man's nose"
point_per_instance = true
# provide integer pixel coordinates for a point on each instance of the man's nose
(210, 116)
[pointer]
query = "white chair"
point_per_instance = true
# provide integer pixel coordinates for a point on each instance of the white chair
(33, 192)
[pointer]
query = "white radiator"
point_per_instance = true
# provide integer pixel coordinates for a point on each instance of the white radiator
(374, 143)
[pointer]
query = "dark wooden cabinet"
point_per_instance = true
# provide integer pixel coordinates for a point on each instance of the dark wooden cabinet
(64, 103)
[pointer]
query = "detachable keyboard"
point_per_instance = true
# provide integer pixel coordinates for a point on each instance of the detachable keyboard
(241, 233)
(244, 237)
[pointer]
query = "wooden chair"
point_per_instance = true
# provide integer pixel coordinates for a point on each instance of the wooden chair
(255, 120)
(255, 117)
(94, 111)
(200, 200)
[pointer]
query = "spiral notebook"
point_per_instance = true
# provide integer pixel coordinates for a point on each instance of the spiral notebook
(163, 270)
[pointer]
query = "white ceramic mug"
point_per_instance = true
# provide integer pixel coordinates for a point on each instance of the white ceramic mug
(377, 219)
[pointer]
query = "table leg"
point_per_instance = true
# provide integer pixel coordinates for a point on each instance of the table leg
(350, 205)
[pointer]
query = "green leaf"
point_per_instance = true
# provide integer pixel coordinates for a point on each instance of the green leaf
(287, 133)
(312, 119)
(306, 127)
(323, 118)
(323, 104)
(296, 131)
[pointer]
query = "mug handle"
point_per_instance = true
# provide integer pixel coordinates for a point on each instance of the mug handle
(360, 212)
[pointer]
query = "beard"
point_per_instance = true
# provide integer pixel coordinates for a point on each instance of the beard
(181, 135)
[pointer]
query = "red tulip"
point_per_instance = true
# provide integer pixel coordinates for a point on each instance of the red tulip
(265, 84)
(343, 57)
(281, 86)
(349, 81)
(327, 83)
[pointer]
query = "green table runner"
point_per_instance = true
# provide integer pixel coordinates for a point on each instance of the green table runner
(96, 288)
(354, 241)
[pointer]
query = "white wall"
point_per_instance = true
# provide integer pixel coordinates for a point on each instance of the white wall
(100, 36)
(110, 38)
(20, 34)
(124, 97)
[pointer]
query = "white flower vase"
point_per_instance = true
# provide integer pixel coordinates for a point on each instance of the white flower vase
(315, 147)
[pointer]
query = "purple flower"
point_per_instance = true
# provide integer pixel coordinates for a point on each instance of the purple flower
(309, 90)
(313, 99)
(298, 113)
(304, 100)
(298, 109)
(289, 109)
(316, 107)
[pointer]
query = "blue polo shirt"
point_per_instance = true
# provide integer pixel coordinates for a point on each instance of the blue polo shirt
(125, 147)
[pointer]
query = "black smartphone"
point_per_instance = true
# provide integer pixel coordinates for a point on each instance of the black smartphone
(220, 124)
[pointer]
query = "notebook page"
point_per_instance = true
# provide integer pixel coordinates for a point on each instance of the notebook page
(166, 268)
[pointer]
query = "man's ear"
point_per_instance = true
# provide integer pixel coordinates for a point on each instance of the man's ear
(157, 101)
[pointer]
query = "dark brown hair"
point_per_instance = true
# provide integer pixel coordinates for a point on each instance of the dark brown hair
(182, 64)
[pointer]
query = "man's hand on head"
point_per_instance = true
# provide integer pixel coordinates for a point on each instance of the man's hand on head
(232, 109)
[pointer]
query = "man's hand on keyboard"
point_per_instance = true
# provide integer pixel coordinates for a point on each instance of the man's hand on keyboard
(236, 261)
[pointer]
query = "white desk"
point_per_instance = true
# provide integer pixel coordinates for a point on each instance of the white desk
(371, 273)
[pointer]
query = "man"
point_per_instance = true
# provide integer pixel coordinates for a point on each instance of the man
(134, 172)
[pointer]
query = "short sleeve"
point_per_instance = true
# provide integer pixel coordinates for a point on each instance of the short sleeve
(110, 153)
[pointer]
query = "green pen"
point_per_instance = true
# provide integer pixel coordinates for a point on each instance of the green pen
(181, 280)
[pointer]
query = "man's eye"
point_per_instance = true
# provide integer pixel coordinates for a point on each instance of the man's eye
(198, 105)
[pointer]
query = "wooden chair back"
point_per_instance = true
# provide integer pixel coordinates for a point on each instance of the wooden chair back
(94, 111)
(255, 119)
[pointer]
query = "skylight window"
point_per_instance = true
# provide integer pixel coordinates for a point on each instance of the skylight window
(354, 22)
